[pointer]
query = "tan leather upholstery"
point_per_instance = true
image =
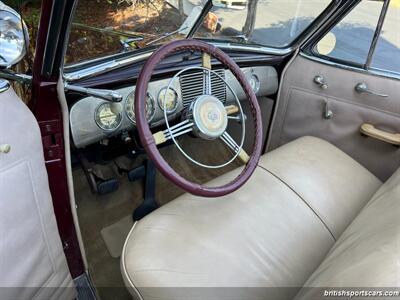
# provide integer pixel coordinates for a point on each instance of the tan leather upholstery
(335, 186)
(368, 252)
(301, 105)
(32, 260)
(195, 242)
(264, 235)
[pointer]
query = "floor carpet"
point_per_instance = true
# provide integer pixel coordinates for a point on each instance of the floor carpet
(97, 212)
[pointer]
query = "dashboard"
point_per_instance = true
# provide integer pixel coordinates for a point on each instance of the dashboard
(93, 119)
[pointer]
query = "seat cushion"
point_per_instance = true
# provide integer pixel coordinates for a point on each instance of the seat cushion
(368, 252)
(261, 236)
(261, 242)
(334, 185)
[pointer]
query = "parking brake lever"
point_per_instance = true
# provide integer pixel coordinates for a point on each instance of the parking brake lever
(107, 95)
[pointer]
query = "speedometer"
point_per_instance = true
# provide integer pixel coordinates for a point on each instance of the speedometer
(108, 116)
(130, 107)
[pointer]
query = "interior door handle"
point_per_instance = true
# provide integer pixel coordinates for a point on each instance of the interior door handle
(362, 88)
(372, 131)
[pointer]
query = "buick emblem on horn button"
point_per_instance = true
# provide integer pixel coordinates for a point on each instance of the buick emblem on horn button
(209, 117)
(213, 116)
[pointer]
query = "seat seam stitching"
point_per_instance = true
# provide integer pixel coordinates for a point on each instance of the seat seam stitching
(124, 263)
(308, 205)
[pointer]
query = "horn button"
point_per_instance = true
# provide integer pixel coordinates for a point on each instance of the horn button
(209, 117)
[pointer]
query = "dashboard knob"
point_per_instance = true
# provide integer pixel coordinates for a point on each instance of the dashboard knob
(6, 148)
(126, 138)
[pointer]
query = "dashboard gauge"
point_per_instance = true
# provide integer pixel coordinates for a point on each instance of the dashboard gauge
(171, 98)
(255, 83)
(130, 107)
(108, 116)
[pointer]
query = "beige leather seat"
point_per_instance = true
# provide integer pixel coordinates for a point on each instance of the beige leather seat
(266, 240)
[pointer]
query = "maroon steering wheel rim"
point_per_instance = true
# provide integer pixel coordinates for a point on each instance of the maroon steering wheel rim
(146, 135)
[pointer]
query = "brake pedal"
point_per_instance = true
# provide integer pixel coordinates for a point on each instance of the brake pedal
(107, 186)
(98, 185)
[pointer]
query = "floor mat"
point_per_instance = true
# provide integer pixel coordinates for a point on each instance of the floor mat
(114, 235)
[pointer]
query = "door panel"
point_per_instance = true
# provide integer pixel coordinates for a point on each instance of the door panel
(301, 108)
(32, 260)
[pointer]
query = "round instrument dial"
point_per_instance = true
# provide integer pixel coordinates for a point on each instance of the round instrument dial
(108, 117)
(255, 83)
(130, 107)
(168, 97)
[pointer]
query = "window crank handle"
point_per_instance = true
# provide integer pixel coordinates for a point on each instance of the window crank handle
(362, 88)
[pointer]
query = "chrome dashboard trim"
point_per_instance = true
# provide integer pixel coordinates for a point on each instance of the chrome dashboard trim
(84, 130)
(117, 63)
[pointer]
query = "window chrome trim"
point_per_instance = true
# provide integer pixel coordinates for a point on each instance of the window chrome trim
(103, 67)
(308, 52)
(310, 47)
(254, 49)
(117, 63)
(377, 34)
(67, 36)
(373, 72)
(339, 14)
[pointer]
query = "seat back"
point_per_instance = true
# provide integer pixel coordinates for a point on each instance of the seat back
(368, 253)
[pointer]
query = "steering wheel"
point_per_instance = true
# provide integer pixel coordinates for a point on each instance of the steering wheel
(207, 118)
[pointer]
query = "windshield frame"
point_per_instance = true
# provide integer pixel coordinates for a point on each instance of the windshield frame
(93, 67)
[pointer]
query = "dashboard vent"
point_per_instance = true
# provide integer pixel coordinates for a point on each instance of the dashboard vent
(192, 86)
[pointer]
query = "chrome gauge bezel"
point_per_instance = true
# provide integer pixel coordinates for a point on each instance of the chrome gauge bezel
(160, 104)
(148, 98)
(256, 80)
(98, 122)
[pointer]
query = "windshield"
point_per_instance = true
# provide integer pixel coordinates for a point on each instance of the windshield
(105, 27)
(272, 23)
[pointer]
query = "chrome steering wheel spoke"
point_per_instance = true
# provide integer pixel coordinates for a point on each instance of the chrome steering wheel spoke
(197, 118)
(208, 113)
(172, 132)
(231, 143)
